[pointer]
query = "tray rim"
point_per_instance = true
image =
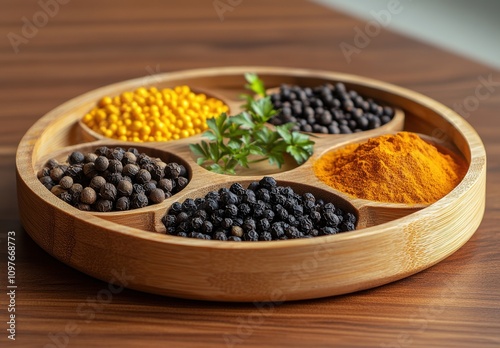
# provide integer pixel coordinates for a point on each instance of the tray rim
(476, 174)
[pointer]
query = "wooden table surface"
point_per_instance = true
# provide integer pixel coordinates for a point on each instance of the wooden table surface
(83, 45)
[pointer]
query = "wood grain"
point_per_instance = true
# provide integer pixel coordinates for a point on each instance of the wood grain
(94, 43)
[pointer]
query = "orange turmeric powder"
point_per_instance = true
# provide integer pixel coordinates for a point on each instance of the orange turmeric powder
(400, 168)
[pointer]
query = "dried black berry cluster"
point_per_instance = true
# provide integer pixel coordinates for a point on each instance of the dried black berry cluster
(112, 179)
(328, 109)
(262, 212)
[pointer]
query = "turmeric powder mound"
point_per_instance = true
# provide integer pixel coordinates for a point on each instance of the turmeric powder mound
(400, 168)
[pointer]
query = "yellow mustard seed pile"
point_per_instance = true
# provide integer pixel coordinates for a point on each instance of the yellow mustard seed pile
(153, 115)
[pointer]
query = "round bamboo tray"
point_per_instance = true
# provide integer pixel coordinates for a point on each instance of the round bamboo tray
(392, 241)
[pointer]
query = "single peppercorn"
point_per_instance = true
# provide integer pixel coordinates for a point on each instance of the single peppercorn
(104, 205)
(176, 207)
(207, 227)
(226, 223)
(198, 235)
(149, 186)
(45, 171)
(122, 204)
(220, 236)
(66, 182)
(76, 157)
(183, 171)
(89, 170)
(277, 230)
(75, 188)
(180, 183)
(292, 232)
(89, 157)
(108, 192)
(57, 190)
(138, 188)
(66, 197)
(216, 219)
(88, 196)
(184, 226)
(165, 184)
(181, 217)
(157, 172)
(138, 200)
(249, 224)
(130, 169)
(52, 163)
(263, 195)
(97, 182)
(196, 223)
(75, 170)
(115, 154)
(200, 212)
(101, 163)
(114, 178)
(172, 170)
(237, 221)
(149, 167)
(142, 176)
(231, 210)
(189, 205)
(244, 209)
(143, 159)
(162, 165)
(236, 231)
(251, 236)
(129, 158)
(101, 151)
(127, 178)
(83, 206)
(253, 186)
(327, 230)
(267, 182)
(157, 195)
(263, 224)
(56, 174)
(115, 166)
(237, 189)
(265, 236)
(124, 188)
(268, 214)
(331, 219)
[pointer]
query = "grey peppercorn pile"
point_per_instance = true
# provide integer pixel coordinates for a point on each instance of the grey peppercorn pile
(262, 212)
(112, 179)
(328, 109)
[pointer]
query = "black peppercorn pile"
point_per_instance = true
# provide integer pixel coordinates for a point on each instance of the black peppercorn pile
(112, 179)
(328, 109)
(262, 212)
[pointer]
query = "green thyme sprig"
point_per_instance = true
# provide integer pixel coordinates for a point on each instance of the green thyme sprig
(243, 139)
